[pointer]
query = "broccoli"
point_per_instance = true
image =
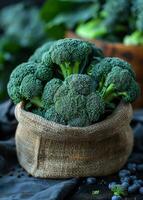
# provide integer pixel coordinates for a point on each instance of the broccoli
(34, 86)
(80, 121)
(37, 55)
(74, 106)
(25, 83)
(80, 99)
(72, 100)
(49, 91)
(94, 100)
(38, 111)
(101, 69)
(52, 115)
(132, 93)
(116, 80)
(81, 84)
(16, 78)
(71, 55)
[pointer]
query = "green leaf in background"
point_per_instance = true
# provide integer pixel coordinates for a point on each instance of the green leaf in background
(70, 20)
(66, 14)
(136, 38)
(91, 29)
(55, 32)
(52, 8)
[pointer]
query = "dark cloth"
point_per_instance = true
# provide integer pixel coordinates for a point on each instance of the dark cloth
(16, 184)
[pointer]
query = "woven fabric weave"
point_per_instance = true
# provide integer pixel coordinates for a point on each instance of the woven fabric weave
(50, 150)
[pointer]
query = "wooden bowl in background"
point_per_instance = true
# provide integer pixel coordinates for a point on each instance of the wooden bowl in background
(132, 54)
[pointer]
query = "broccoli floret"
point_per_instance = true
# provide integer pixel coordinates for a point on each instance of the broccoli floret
(80, 121)
(95, 106)
(73, 105)
(23, 83)
(71, 55)
(115, 77)
(37, 56)
(30, 87)
(65, 102)
(62, 91)
(49, 91)
(16, 78)
(23, 70)
(70, 106)
(117, 83)
(101, 69)
(132, 93)
(39, 111)
(52, 115)
(44, 72)
(81, 83)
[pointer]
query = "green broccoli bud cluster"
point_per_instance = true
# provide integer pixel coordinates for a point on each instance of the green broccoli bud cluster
(72, 101)
(70, 82)
(116, 79)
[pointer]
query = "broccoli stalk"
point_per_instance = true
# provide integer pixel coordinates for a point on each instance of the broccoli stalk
(110, 93)
(67, 69)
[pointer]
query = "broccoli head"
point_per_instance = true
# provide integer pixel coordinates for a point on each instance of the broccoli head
(102, 68)
(37, 55)
(71, 55)
(92, 84)
(73, 102)
(30, 87)
(116, 79)
(49, 91)
(26, 83)
(52, 115)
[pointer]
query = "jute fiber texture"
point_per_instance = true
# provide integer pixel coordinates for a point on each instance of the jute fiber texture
(50, 150)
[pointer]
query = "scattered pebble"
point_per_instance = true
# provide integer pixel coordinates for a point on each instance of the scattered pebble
(91, 181)
(124, 173)
(140, 181)
(133, 188)
(125, 179)
(116, 198)
(125, 185)
(132, 167)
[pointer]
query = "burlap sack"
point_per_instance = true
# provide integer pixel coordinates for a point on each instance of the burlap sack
(47, 149)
